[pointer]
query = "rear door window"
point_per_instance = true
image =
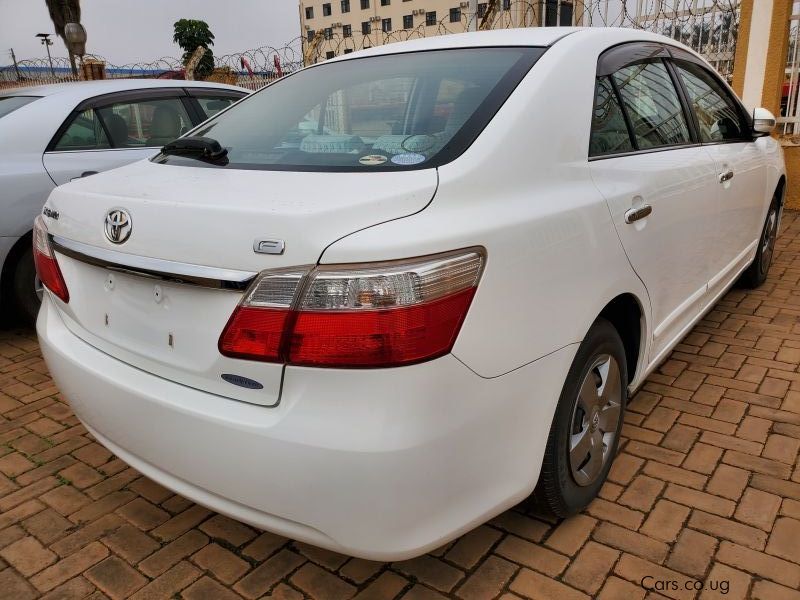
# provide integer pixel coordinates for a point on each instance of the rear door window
(652, 104)
(145, 123)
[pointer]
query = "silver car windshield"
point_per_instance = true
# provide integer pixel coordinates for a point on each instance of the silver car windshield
(388, 112)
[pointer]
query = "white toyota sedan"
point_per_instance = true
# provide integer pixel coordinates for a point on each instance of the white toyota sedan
(392, 295)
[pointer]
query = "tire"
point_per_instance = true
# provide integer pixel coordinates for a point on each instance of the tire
(584, 436)
(24, 287)
(757, 272)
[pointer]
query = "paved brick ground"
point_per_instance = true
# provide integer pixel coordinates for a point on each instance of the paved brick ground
(706, 489)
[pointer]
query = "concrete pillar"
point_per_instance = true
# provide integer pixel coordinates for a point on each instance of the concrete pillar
(761, 47)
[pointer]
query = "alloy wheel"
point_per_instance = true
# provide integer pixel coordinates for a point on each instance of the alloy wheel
(768, 243)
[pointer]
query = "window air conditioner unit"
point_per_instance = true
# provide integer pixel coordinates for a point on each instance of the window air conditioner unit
(464, 4)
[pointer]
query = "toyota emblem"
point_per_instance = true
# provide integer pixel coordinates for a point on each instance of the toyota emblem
(118, 225)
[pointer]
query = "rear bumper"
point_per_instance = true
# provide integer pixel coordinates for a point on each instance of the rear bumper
(382, 464)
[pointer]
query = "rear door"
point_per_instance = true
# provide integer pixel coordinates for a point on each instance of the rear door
(725, 133)
(116, 129)
(660, 184)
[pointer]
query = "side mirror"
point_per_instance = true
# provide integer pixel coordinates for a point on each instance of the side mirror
(763, 122)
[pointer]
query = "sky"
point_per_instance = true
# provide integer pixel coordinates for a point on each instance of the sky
(128, 31)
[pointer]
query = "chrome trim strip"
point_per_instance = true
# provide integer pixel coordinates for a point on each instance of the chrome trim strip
(153, 268)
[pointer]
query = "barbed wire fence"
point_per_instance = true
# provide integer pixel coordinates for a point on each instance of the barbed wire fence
(708, 26)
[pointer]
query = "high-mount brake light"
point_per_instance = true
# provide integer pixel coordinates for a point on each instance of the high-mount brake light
(356, 316)
(46, 265)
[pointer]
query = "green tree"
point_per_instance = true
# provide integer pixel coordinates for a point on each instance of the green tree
(191, 33)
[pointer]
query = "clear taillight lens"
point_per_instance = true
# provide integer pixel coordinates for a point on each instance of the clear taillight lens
(371, 315)
(45, 261)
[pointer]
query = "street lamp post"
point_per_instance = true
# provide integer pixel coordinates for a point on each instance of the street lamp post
(47, 43)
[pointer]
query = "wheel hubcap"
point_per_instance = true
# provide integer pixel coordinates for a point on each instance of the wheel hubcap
(595, 420)
(768, 243)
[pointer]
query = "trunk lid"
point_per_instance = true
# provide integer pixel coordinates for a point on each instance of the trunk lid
(209, 218)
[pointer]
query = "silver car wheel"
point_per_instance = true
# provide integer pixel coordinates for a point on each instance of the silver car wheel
(770, 235)
(595, 420)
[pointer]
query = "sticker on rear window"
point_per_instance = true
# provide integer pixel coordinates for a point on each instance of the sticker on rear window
(370, 160)
(409, 158)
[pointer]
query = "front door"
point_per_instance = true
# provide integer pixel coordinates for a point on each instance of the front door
(740, 167)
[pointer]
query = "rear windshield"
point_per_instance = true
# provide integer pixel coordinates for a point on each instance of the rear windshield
(9, 104)
(393, 112)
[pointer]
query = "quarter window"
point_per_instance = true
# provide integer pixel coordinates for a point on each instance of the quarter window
(651, 101)
(84, 133)
(211, 106)
(609, 130)
(718, 116)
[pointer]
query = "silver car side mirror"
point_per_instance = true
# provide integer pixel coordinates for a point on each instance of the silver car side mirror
(763, 122)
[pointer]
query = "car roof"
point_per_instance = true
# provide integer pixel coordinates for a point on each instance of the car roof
(79, 90)
(520, 36)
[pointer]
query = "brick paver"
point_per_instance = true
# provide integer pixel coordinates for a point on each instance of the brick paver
(705, 491)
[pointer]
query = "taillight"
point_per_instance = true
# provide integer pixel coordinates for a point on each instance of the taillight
(371, 315)
(45, 261)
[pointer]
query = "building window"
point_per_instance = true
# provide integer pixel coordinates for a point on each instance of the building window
(430, 17)
(482, 9)
(506, 4)
(330, 54)
(328, 33)
(309, 12)
(364, 4)
(386, 2)
(455, 15)
(348, 50)
(326, 10)
(345, 6)
(386, 25)
(366, 28)
(555, 15)
(408, 22)
(311, 33)
(347, 30)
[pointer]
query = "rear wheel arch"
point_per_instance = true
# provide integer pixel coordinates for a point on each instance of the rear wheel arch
(626, 314)
(9, 268)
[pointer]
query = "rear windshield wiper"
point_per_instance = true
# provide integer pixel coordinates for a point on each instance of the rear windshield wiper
(199, 147)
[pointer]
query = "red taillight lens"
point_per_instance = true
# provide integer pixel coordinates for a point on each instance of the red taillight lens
(254, 333)
(356, 316)
(379, 338)
(45, 261)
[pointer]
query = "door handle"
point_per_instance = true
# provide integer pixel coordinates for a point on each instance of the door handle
(84, 174)
(726, 176)
(634, 214)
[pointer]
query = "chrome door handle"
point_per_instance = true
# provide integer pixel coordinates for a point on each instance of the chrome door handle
(634, 214)
(726, 176)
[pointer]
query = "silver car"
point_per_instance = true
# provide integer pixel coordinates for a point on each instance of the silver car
(52, 134)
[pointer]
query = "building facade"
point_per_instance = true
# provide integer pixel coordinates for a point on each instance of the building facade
(333, 27)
